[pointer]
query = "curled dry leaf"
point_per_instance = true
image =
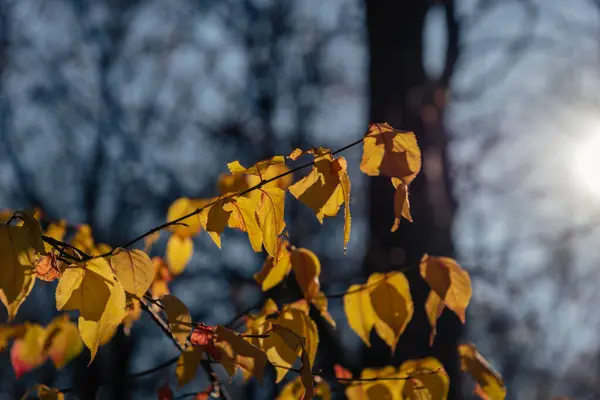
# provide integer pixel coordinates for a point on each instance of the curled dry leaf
(46, 268)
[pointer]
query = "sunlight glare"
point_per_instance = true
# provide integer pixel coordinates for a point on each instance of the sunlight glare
(587, 164)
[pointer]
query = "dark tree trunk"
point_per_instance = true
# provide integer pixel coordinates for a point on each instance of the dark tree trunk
(403, 95)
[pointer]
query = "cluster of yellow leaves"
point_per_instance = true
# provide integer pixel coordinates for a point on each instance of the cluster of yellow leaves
(34, 344)
(384, 302)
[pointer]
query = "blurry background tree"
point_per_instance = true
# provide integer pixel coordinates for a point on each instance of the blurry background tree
(110, 110)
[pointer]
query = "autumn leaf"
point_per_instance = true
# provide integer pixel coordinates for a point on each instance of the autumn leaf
(275, 269)
(8, 332)
(162, 277)
(359, 312)
(34, 231)
(93, 290)
(489, 382)
(342, 373)
(178, 317)
(84, 240)
(247, 356)
(270, 217)
(449, 281)
(243, 217)
(401, 203)
(27, 352)
(46, 393)
(257, 169)
(392, 305)
(134, 270)
(390, 152)
(187, 365)
(57, 231)
(47, 268)
(307, 268)
(293, 390)
(434, 306)
(133, 313)
(179, 253)
(150, 240)
(62, 341)
(430, 374)
(17, 260)
(326, 188)
(292, 339)
(373, 389)
(189, 226)
(214, 218)
(320, 302)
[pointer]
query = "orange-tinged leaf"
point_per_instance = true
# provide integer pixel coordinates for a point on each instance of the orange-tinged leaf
(430, 374)
(307, 268)
(178, 317)
(214, 219)
(189, 226)
(489, 381)
(17, 260)
(359, 311)
(243, 217)
(165, 392)
(134, 269)
(401, 203)
(62, 341)
(134, 313)
(392, 305)
(187, 365)
(274, 269)
(342, 373)
(270, 213)
(179, 253)
(449, 281)
(390, 152)
(246, 355)
(434, 306)
(93, 290)
(47, 269)
(325, 189)
(257, 169)
(46, 393)
(27, 352)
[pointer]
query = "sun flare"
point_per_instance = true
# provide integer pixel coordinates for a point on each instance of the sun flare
(587, 164)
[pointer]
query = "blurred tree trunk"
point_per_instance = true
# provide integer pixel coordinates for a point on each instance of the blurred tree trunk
(403, 95)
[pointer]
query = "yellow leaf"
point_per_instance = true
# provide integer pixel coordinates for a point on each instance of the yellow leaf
(214, 219)
(257, 169)
(56, 230)
(489, 381)
(434, 306)
(294, 340)
(244, 218)
(7, 332)
(99, 297)
(270, 213)
(134, 269)
(189, 226)
(235, 183)
(322, 390)
(62, 341)
(150, 240)
(392, 302)
(307, 268)
(249, 357)
(430, 374)
(359, 311)
(187, 365)
(376, 390)
(179, 253)
(178, 317)
(17, 261)
(325, 189)
(32, 226)
(134, 313)
(46, 393)
(293, 390)
(298, 321)
(390, 152)
(275, 269)
(275, 170)
(83, 239)
(401, 203)
(449, 281)
(320, 302)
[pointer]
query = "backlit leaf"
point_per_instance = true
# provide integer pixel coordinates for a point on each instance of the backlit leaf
(84, 240)
(293, 390)
(46, 393)
(17, 260)
(93, 290)
(301, 342)
(320, 302)
(214, 219)
(274, 269)
(434, 306)
(27, 352)
(56, 230)
(307, 268)
(392, 302)
(32, 226)
(133, 313)
(179, 253)
(178, 317)
(189, 226)
(187, 365)
(449, 281)
(401, 203)
(134, 270)
(247, 356)
(430, 374)
(62, 341)
(8, 332)
(488, 380)
(243, 217)
(390, 152)
(270, 213)
(257, 169)
(47, 268)
(359, 311)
